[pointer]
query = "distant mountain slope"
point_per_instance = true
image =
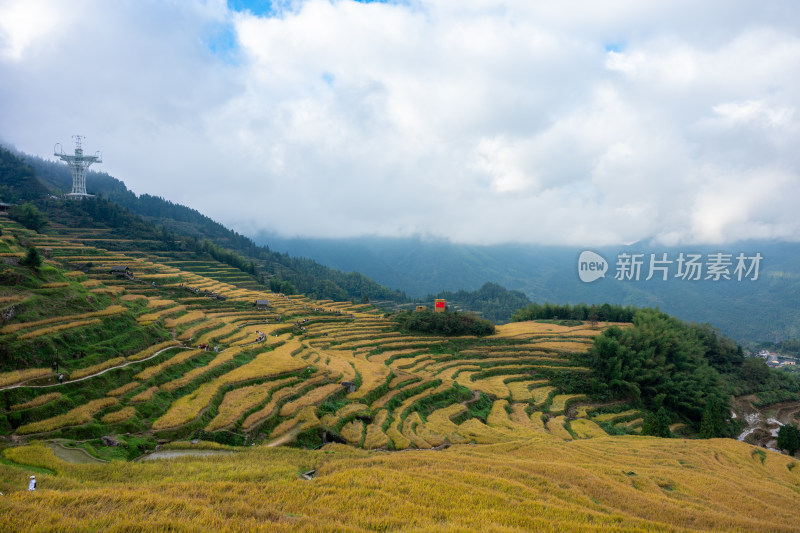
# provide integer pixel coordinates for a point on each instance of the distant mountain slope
(18, 181)
(765, 309)
(295, 274)
(492, 301)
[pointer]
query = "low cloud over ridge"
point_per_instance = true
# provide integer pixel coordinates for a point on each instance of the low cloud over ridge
(587, 123)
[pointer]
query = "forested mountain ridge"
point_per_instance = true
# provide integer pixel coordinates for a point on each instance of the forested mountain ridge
(749, 310)
(34, 177)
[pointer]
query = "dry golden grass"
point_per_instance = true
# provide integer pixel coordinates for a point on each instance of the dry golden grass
(610, 417)
(36, 402)
(61, 327)
(151, 350)
(54, 285)
(213, 335)
(156, 303)
(123, 414)
(220, 359)
(540, 394)
(352, 432)
(277, 397)
(124, 389)
(132, 297)
(238, 401)
(576, 486)
(399, 441)
(337, 362)
(414, 362)
(305, 419)
(493, 385)
(313, 397)
(108, 311)
(152, 277)
(206, 324)
(331, 420)
(191, 316)
(246, 334)
(532, 330)
(586, 429)
(565, 346)
(560, 401)
(94, 369)
(424, 432)
(421, 343)
(266, 364)
(176, 359)
(521, 418)
(556, 428)
(145, 395)
(75, 417)
(473, 430)
(409, 427)
(440, 421)
(108, 290)
(521, 390)
(373, 375)
(20, 376)
(526, 329)
(150, 317)
(393, 391)
(375, 437)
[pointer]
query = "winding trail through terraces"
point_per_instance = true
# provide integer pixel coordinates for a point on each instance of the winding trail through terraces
(73, 455)
(19, 385)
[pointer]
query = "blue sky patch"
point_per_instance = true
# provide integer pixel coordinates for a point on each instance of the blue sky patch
(221, 41)
(256, 7)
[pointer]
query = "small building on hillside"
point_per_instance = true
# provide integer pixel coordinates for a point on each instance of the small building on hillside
(121, 271)
(262, 304)
(4, 207)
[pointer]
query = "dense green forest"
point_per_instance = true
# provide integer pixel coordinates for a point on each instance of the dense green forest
(662, 362)
(18, 181)
(449, 323)
(492, 301)
(680, 372)
(547, 311)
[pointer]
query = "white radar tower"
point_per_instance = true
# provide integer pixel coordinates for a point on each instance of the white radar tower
(78, 164)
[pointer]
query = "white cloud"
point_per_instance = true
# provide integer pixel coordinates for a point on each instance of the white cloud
(24, 23)
(578, 122)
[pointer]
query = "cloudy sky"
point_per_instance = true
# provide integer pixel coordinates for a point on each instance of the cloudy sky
(481, 121)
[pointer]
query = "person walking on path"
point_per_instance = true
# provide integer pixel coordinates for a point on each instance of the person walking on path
(32, 484)
(61, 379)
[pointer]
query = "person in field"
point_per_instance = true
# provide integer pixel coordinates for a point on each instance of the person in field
(32, 484)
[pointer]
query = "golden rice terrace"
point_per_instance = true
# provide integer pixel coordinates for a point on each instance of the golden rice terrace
(156, 348)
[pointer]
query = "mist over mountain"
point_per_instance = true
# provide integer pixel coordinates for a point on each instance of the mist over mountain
(747, 310)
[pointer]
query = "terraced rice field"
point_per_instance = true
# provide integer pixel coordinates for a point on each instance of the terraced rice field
(326, 369)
